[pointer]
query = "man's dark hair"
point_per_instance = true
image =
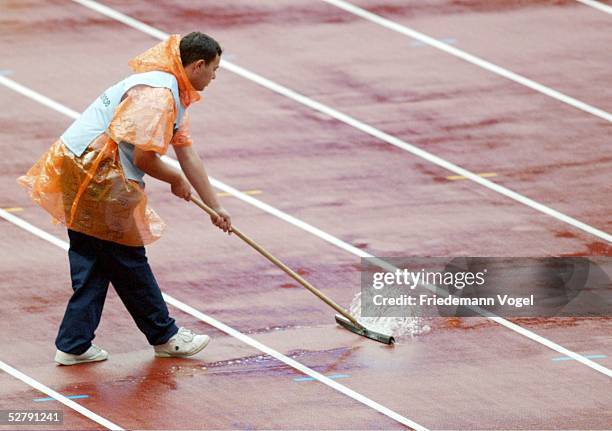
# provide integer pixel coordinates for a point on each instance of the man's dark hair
(196, 46)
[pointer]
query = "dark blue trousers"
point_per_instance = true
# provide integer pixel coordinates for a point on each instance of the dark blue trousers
(93, 264)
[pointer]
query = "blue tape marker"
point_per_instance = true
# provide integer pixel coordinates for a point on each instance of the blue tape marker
(72, 397)
(567, 358)
(308, 379)
(448, 40)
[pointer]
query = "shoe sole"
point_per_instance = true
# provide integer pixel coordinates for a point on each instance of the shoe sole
(68, 362)
(183, 355)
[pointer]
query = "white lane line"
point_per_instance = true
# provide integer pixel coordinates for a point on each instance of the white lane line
(372, 131)
(18, 221)
(56, 395)
(344, 246)
(597, 5)
(552, 345)
(292, 363)
(498, 70)
(222, 327)
(38, 97)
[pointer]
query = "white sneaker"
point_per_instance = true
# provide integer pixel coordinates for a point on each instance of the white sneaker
(184, 343)
(93, 354)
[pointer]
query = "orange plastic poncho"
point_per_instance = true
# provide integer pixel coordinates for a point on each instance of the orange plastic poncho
(90, 193)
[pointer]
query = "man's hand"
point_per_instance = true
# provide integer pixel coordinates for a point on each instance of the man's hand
(181, 187)
(223, 221)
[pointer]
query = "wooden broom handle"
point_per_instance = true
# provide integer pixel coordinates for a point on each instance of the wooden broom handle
(280, 264)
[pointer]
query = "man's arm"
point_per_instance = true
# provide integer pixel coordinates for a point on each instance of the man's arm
(196, 174)
(151, 164)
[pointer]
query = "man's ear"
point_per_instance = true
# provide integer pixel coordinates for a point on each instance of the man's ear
(200, 64)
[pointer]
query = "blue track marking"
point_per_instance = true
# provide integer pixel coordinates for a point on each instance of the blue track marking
(332, 376)
(448, 40)
(72, 397)
(567, 358)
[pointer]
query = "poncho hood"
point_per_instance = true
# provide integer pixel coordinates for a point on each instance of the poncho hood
(166, 57)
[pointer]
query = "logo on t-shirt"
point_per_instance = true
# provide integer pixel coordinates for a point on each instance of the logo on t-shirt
(105, 100)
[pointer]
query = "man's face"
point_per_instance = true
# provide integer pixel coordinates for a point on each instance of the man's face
(204, 73)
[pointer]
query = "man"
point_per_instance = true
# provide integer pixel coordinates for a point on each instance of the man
(91, 180)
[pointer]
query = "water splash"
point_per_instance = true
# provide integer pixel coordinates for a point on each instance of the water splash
(396, 326)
